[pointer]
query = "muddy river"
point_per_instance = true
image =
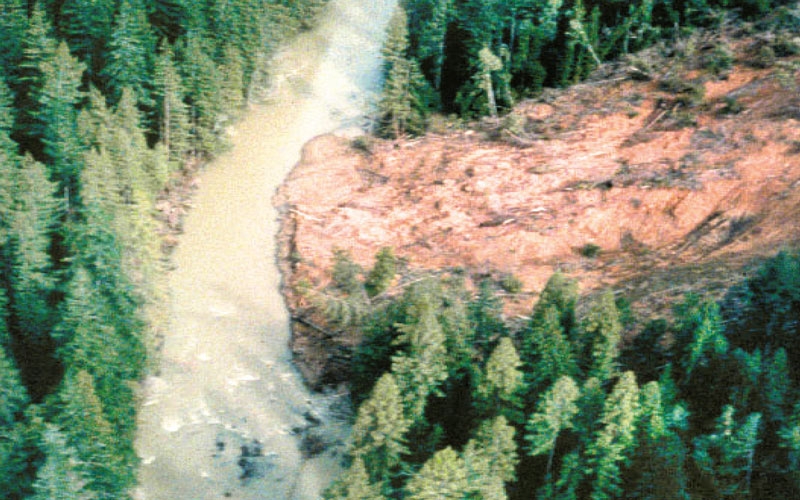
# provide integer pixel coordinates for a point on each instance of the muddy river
(223, 416)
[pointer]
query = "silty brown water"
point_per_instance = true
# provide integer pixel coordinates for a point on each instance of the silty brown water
(219, 416)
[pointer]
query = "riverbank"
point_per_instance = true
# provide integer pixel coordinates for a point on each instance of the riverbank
(225, 412)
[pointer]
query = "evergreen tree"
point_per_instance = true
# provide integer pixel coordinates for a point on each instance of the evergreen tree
(402, 106)
(485, 317)
(172, 112)
(501, 389)
(130, 44)
(58, 98)
(382, 273)
(14, 397)
(444, 476)
(89, 433)
(38, 46)
(700, 335)
(354, 484)
(657, 470)
(549, 354)
(13, 23)
(421, 368)
(602, 336)
(726, 456)
(614, 441)
(553, 415)
(32, 222)
(202, 82)
(62, 476)
(491, 459)
(87, 25)
(232, 86)
(379, 431)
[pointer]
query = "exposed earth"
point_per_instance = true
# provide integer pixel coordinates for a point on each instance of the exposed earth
(651, 182)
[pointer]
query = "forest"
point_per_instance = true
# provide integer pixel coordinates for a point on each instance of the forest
(582, 398)
(478, 58)
(457, 402)
(102, 105)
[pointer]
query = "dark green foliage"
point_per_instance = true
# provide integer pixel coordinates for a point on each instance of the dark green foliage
(382, 273)
(130, 46)
(479, 55)
(588, 429)
(84, 97)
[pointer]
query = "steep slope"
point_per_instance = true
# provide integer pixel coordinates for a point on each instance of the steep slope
(665, 185)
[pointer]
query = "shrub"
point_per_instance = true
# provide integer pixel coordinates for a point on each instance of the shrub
(590, 250)
(511, 283)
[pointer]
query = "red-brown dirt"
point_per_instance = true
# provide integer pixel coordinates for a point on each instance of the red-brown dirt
(677, 196)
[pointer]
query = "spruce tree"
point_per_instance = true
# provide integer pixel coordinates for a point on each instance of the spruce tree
(548, 353)
(725, 457)
(13, 23)
(421, 367)
(614, 441)
(56, 115)
(442, 477)
(401, 106)
(62, 475)
(491, 457)
(88, 431)
(553, 415)
(657, 469)
(501, 389)
(379, 431)
(173, 117)
(14, 397)
(354, 484)
(602, 336)
(87, 25)
(128, 59)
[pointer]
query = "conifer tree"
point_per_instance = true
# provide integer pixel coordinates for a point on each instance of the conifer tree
(33, 220)
(379, 431)
(62, 475)
(354, 484)
(553, 415)
(56, 115)
(87, 25)
(13, 23)
(700, 335)
(500, 391)
(9, 162)
(491, 459)
(202, 83)
(401, 107)
(421, 368)
(130, 44)
(14, 397)
(87, 430)
(614, 441)
(485, 316)
(602, 336)
(232, 86)
(382, 273)
(549, 354)
(38, 46)
(657, 470)
(172, 112)
(726, 456)
(443, 477)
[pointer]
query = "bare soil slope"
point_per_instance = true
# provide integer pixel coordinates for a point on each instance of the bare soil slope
(672, 189)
